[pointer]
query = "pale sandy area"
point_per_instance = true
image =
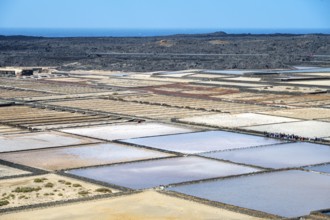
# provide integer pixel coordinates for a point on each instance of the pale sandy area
(172, 80)
(211, 76)
(324, 119)
(312, 103)
(255, 97)
(146, 205)
(237, 96)
(198, 92)
(242, 78)
(289, 89)
(236, 120)
(313, 82)
(147, 77)
(219, 42)
(92, 77)
(51, 188)
(71, 96)
(4, 129)
(99, 72)
(235, 84)
(141, 76)
(175, 75)
(68, 79)
(316, 74)
(126, 82)
(169, 89)
(9, 171)
(302, 113)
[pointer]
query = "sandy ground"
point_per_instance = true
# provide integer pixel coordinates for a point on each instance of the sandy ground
(52, 188)
(236, 120)
(175, 75)
(243, 78)
(303, 113)
(313, 103)
(217, 42)
(235, 84)
(69, 79)
(211, 76)
(146, 205)
(313, 82)
(4, 129)
(126, 82)
(324, 119)
(97, 72)
(9, 171)
(294, 99)
(293, 89)
(161, 79)
(316, 74)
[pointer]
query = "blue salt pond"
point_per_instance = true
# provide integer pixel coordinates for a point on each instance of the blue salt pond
(278, 156)
(199, 142)
(152, 173)
(288, 194)
(322, 168)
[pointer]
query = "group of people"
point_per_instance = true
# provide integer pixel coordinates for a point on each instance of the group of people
(290, 137)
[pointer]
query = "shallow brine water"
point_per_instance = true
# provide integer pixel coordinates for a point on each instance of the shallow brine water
(278, 156)
(199, 142)
(140, 175)
(321, 168)
(39, 140)
(288, 193)
(80, 156)
(123, 131)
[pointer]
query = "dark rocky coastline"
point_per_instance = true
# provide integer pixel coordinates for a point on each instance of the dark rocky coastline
(205, 51)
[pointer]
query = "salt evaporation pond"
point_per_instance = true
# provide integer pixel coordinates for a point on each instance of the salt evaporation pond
(6, 171)
(230, 72)
(310, 70)
(39, 140)
(140, 175)
(322, 168)
(199, 142)
(288, 194)
(310, 129)
(278, 156)
(123, 131)
(80, 156)
(236, 120)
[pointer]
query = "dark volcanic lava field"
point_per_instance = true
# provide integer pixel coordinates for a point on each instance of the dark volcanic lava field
(204, 51)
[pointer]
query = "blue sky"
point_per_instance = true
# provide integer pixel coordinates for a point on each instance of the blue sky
(165, 13)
